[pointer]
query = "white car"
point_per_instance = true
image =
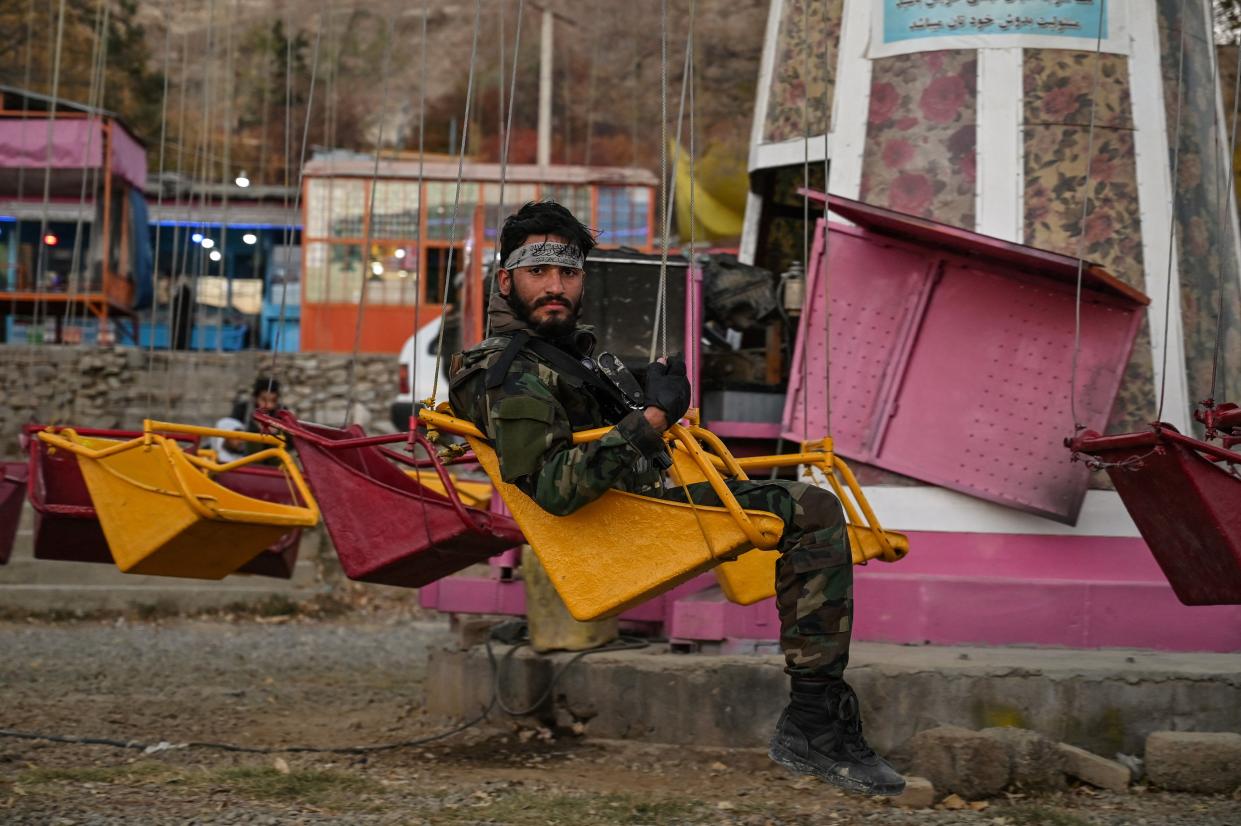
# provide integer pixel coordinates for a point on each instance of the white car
(418, 360)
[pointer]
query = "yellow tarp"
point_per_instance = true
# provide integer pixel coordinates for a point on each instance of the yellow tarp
(720, 190)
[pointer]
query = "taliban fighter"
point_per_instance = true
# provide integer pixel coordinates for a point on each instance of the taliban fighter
(533, 383)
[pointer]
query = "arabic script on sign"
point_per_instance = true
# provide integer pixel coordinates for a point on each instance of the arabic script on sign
(912, 19)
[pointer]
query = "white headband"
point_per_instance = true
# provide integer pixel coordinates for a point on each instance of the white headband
(545, 253)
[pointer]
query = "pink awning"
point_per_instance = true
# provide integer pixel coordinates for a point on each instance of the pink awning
(76, 143)
(129, 159)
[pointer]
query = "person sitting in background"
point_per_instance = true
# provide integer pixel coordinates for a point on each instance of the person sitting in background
(226, 449)
(265, 398)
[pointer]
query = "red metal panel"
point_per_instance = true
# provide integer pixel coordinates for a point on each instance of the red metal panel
(983, 407)
(12, 494)
(951, 362)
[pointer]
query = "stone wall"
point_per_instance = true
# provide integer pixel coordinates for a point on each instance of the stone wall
(119, 387)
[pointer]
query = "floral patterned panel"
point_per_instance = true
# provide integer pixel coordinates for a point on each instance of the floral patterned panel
(1206, 244)
(1058, 93)
(805, 63)
(920, 147)
(1058, 86)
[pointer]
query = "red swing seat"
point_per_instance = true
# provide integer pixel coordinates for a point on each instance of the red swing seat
(12, 494)
(387, 527)
(66, 527)
(271, 485)
(1185, 497)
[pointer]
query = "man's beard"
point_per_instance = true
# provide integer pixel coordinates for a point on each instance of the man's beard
(551, 327)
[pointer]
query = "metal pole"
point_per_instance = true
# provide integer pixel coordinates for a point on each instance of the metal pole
(545, 90)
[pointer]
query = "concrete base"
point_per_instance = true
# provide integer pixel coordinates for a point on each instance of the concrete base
(43, 586)
(1104, 701)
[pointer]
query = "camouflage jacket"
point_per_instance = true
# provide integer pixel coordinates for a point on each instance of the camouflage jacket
(531, 416)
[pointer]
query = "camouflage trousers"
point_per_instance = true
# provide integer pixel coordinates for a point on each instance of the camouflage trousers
(814, 574)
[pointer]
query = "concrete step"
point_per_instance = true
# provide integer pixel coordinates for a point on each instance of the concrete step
(1103, 701)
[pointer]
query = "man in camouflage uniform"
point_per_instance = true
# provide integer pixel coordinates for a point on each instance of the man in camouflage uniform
(532, 384)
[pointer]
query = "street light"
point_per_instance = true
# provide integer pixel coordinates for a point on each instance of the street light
(250, 238)
(207, 243)
(215, 255)
(197, 238)
(241, 180)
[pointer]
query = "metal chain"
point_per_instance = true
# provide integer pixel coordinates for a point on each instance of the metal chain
(661, 315)
(174, 320)
(824, 270)
(456, 202)
(41, 263)
(277, 338)
(163, 142)
(661, 300)
(1225, 209)
(805, 219)
(691, 293)
(1084, 192)
(94, 103)
(367, 236)
(504, 146)
(418, 266)
(1172, 222)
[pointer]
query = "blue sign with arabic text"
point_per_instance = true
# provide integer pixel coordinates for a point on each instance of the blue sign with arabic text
(914, 19)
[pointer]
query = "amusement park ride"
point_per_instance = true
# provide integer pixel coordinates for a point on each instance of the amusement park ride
(949, 345)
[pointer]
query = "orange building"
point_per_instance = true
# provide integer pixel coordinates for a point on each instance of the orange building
(405, 270)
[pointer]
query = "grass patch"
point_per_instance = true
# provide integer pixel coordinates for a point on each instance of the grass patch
(1029, 814)
(264, 782)
(93, 774)
(253, 782)
(536, 809)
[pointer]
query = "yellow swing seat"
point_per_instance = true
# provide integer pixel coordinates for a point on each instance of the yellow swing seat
(623, 549)
(163, 516)
(751, 577)
(473, 494)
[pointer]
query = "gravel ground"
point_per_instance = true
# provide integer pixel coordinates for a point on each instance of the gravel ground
(283, 681)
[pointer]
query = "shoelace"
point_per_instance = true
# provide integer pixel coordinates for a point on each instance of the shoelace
(850, 718)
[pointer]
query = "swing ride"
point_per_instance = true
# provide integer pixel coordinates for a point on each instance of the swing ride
(153, 503)
(162, 515)
(66, 525)
(12, 490)
(389, 526)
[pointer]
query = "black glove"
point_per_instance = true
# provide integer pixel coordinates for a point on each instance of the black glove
(667, 388)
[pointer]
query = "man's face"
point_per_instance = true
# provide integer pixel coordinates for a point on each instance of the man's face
(548, 298)
(267, 400)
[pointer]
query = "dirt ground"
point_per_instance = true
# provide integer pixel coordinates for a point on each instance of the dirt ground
(282, 680)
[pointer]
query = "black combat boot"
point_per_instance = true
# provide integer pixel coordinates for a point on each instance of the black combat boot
(820, 733)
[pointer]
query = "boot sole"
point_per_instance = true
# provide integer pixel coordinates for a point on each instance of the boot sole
(785, 757)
